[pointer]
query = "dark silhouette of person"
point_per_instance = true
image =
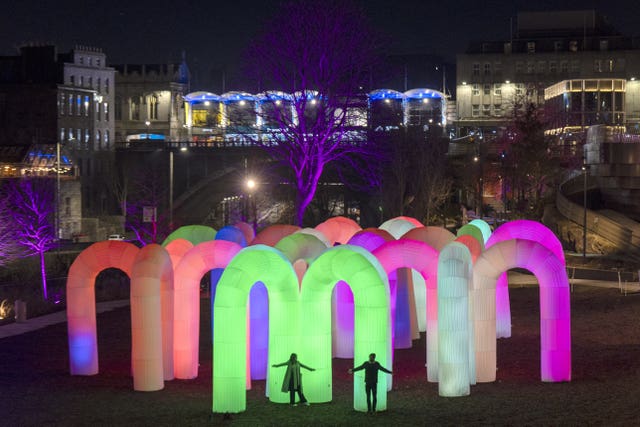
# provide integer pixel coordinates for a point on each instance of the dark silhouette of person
(371, 368)
(292, 381)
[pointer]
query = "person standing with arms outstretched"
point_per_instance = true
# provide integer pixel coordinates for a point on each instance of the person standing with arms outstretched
(371, 368)
(292, 381)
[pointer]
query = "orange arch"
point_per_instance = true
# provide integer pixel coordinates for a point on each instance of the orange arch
(339, 229)
(272, 234)
(81, 297)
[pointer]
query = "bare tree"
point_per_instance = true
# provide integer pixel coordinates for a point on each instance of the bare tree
(147, 195)
(33, 208)
(9, 248)
(321, 54)
(415, 180)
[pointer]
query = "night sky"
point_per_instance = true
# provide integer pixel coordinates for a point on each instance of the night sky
(214, 33)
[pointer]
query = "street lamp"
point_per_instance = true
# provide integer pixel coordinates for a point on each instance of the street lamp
(147, 124)
(170, 189)
(584, 205)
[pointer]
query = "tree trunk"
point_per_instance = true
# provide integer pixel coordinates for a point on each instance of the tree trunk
(45, 294)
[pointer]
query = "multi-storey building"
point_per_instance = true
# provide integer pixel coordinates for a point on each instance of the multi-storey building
(149, 101)
(49, 101)
(567, 54)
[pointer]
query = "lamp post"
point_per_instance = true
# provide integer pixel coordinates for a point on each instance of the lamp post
(147, 123)
(251, 187)
(170, 189)
(58, 234)
(584, 205)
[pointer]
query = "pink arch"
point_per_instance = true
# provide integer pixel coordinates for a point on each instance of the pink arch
(247, 230)
(195, 263)
(151, 324)
(81, 297)
(518, 229)
(423, 258)
(555, 317)
(177, 248)
(436, 237)
(272, 234)
(339, 229)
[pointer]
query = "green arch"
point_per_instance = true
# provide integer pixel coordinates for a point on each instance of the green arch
(472, 230)
(372, 333)
(193, 233)
(252, 264)
(301, 246)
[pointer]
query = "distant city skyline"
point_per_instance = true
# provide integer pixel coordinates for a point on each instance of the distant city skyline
(213, 35)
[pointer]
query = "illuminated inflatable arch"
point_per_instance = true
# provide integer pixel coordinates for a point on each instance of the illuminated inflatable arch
(317, 234)
(555, 319)
(81, 299)
(200, 259)
(176, 249)
(484, 228)
(339, 229)
(301, 246)
(152, 323)
(253, 264)
(412, 254)
(193, 233)
(273, 234)
(471, 230)
(370, 238)
(231, 233)
(247, 230)
(400, 225)
(342, 300)
(437, 238)
(455, 327)
(474, 246)
(518, 229)
(372, 333)
(151, 276)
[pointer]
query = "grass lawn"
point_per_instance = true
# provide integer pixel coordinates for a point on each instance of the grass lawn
(37, 389)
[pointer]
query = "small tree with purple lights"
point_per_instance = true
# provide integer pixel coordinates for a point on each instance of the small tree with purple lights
(322, 53)
(32, 213)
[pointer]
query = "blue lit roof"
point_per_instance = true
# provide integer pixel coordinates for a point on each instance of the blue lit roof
(423, 93)
(237, 96)
(274, 95)
(385, 94)
(201, 96)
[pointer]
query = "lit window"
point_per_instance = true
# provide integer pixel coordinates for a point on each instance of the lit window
(531, 47)
(497, 89)
(475, 89)
(573, 45)
(476, 69)
(63, 134)
(475, 110)
(106, 111)
(487, 69)
(486, 89)
(597, 65)
(610, 65)
(86, 135)
(486, 109)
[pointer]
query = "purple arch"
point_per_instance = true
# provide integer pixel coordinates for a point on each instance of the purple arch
(518, 229)
(555, 316)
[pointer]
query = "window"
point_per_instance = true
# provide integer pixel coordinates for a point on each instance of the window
(498, 110)
(531, 67)
(486, 109)
(542, 66)
(487, 69)
(519, 67)
(78, 105)
(79, 135)
(90, 82)
(497, 89)
(81, 59)
(486, 89)
(519, 89)
(604, 44)
(476, 69)
(98, 111)
(71, 96)
(597, 65)
(70, 134)
(106, 85)
(507, 48)
(86, 136)
(564, 66)
(63, 104)
(106, 138)
(134, 108)
(81, 80)
(531, 47)
(72, 80)
(63, 134)
(475, 110)
(475, 89)
(573, 46)
(553, 67)
(97, 62)
(497, 68)
(610, 65)
(106, 111)
(98, 84)
(86, 105)
(98, 137)
(153, 107)
(557, 46)
(118, 107)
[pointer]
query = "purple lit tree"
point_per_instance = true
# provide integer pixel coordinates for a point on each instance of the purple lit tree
(32, 214)
(320, 53)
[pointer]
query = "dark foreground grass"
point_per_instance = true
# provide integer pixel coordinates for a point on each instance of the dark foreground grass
(37, 390)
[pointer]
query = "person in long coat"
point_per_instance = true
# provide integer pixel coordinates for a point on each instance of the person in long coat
(292, 381)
